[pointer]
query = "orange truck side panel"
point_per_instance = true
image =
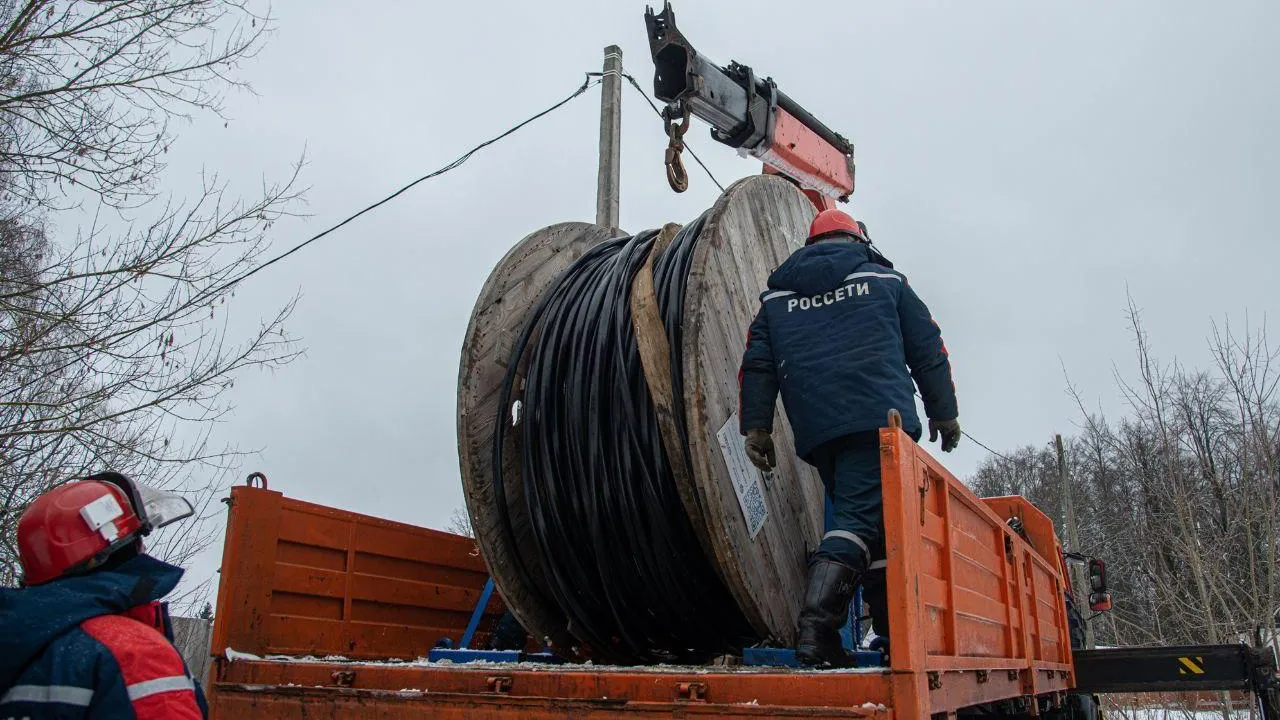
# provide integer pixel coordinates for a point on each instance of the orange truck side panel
(304, 579)
(976, 613)
(976, 616)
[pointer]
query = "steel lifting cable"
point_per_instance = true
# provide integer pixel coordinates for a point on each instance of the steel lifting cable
(619, 556)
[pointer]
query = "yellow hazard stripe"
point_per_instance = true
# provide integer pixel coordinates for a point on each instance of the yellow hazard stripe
(1191, 665)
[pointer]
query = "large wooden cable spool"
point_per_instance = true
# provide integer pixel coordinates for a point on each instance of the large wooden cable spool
(500, 313)
(756, 530)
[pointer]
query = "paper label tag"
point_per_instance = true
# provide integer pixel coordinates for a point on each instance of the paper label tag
(747, 479)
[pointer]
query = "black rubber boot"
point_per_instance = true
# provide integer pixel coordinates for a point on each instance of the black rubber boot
(826, 607)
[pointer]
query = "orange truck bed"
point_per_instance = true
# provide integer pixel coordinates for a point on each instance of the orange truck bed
(304, 579)
(976, 613)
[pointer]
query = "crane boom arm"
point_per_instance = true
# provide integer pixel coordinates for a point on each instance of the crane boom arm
(749, 113)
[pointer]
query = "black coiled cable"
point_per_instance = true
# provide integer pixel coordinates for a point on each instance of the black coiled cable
(619, 556)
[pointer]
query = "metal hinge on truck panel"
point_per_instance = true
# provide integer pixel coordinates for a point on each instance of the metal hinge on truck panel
(692, 691)
(935, 681)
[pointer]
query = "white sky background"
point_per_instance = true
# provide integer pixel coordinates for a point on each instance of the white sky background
(1023, 163)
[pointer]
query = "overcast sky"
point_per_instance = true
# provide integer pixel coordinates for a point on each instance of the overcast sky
(1023, 163)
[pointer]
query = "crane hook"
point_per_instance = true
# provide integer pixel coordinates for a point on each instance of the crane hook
(677, 176)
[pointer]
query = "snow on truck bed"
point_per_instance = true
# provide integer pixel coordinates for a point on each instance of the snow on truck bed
(1160, 714)
(235, 656)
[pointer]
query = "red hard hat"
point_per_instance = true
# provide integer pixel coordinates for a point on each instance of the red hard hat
(831, 222)
(75, 527)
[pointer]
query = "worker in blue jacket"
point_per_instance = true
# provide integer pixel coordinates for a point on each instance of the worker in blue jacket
(837, 332)
(86, 636)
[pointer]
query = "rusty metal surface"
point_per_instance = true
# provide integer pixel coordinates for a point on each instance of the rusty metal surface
(304, 579)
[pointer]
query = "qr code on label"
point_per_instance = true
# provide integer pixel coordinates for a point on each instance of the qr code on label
(746, 479)
(753, 504)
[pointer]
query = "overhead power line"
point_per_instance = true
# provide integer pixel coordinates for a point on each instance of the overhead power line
(586, 84)
(976, 441)
(984, 447)
(592, 78)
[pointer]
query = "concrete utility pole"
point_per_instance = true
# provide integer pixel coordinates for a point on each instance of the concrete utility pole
(1073, 537)
(610, 138)
(1068, 502)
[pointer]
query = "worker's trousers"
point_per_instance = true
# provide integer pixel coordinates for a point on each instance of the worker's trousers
(850, 470)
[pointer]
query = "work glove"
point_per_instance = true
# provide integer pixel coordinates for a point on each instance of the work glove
(760, 449)
(950, 430)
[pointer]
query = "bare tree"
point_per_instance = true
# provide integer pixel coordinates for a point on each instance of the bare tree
(460, 523)
(115, 343)
(88, 89)
(1180, 495)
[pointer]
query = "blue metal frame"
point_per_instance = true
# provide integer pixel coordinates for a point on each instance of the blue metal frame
(771, 657)
(481, 604)
(786, 657)
(465, 655)
(851, 635)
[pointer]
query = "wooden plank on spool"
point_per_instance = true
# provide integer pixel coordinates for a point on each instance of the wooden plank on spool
(655, 357)
(508, 296)
(752, 228)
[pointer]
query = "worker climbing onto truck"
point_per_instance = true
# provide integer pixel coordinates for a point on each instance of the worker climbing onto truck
(837, 331)
(86, 635)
